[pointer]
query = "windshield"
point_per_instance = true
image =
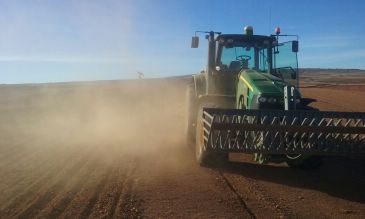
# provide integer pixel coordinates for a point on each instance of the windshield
(285, 64)
(245, 55)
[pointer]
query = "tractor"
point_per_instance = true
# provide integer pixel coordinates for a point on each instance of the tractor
(247, 100)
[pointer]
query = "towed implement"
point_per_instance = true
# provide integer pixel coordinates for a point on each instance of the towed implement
(247, 100)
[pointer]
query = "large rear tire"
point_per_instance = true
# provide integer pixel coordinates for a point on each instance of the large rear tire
(190, 115)
(203, 156)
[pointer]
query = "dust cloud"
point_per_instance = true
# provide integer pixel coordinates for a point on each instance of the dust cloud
(133, 116)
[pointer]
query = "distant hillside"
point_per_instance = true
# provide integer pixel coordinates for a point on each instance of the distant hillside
(331, 71)
(331, 76)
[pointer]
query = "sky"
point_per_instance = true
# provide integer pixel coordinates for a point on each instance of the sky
(81, 40)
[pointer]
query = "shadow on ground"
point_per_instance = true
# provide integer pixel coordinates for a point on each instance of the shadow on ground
(339, 177)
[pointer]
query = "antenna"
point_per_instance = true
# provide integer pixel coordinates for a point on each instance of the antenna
(269, 18)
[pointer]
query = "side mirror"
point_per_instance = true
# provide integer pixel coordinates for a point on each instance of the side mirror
(195, 42)
(295, 46)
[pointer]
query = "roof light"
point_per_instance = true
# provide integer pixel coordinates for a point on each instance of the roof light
(277, 30)
(248, 30)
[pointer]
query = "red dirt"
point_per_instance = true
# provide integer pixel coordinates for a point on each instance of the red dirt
(115, 149)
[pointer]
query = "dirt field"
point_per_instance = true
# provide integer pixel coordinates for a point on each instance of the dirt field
(115, 149)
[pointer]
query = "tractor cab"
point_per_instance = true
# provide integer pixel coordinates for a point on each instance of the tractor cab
(237, 53)
(231, 54)
(254, 53)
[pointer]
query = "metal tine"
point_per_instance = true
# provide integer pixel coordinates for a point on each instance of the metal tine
(311, 137)
(282, 135)
(218, 137)
(205, 113)
(205, 138)
(346, 125)
(272, 123)
(329, 124)
(241, 134)
(218, 120)
(225, 138)
(206, 131)
(321, 146)
(356, 137)
(267, 133)
(235, 119)
(264, 134)
(304, 133)
(223, 133)
(257, 136)
(344, 136)
(245, 141)
(355, 125)
(320, 124)
(207, 123)
(294, 135)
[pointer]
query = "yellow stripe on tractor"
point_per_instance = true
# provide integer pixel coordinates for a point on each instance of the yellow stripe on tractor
(246, 83)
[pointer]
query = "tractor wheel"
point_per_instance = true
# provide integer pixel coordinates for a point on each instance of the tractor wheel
(308, 163)
(203, 156)
(190, 115)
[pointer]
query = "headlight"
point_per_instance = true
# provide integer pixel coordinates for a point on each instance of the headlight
(262, 99)
(272, 100)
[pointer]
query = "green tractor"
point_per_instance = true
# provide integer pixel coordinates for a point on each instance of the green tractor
(247, 100)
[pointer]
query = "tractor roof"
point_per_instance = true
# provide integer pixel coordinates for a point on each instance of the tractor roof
(243, 37)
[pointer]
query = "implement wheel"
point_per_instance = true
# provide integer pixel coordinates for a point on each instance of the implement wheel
(203, 156)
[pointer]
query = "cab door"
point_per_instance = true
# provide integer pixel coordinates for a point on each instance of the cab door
(285, 62)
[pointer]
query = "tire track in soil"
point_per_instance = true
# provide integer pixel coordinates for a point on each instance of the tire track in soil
(260, 194)
(238, 196)
(82, 198)
(7, 152)
(51, 192)
(108, 200)
(23, 155)
(107, 203)
(116, 199)
(7, 172)
(24, 193)
(37, 161)
(126, 204)
(265, 196)
(132, 205)
(28, 193)
(87, 211)
(62, 204)
(19, 163)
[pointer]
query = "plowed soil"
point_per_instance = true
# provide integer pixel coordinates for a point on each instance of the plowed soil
(116, 150)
